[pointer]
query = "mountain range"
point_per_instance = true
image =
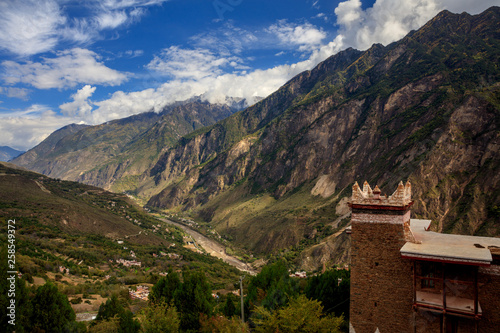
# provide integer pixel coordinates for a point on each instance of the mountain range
(276, 176)
(100, 155)
(8, 153)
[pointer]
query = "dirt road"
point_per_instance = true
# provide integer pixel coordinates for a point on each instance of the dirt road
(213, 248)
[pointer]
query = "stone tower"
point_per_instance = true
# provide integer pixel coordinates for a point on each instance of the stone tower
(379, 278)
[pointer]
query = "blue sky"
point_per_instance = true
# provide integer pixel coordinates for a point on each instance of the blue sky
(64, 61)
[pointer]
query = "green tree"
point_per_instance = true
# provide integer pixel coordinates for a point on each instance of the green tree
(113, 310)
(272, 287)
(164, 289)
(159, 318)
(127, 323)
(192, 298)
(332, 289)
(53, 312)
(229, 310)
(110, 309)
(301, 315)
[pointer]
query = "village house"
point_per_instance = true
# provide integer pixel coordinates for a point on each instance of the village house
(405, 278)
(141, 292)
(300, 275)
(128, 263)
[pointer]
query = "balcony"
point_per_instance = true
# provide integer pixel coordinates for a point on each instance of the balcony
(447, 289)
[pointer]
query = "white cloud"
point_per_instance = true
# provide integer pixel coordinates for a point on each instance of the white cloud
(213, 88)
(385, 22)
(111, 20)
(80, 106)
(321, 16)
(25, 129)
(121, 4)
(29, 27)
(134, 53)
(228, 40)
(67, 69)
(194, 64)
(305, 35)
(123, 104)
(21, 93)
(348, 12)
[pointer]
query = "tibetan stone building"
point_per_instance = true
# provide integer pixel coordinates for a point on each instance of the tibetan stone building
(405, 278)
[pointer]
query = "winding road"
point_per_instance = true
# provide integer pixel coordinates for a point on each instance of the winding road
(213, 248)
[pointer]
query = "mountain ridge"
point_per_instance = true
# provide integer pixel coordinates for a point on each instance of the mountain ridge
(7, 153)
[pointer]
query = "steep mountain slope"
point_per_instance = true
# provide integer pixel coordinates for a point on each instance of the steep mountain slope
(70, 207)
(425, 108)
(8, 153)
(32, 156)
(99, 155)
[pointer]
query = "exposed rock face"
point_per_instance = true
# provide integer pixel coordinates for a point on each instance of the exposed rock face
(425, 109)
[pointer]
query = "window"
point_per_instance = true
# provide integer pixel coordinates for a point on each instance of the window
(430, 273)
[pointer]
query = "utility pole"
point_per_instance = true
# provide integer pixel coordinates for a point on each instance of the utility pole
(241, 295)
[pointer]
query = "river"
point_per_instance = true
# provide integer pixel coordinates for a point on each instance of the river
(213, 248)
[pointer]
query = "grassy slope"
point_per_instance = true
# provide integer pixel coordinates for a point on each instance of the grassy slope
(62, 223)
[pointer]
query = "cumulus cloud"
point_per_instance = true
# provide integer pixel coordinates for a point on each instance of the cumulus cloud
(123, 104)
(385, 22)
(80, 106)
(348, 13)
(67, 69)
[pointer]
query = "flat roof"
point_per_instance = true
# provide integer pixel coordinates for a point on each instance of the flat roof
(435, 246)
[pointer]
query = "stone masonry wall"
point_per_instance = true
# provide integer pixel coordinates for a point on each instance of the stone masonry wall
(489, 298)
(381, 282)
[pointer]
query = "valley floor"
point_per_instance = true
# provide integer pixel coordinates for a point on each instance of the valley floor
(213, 248)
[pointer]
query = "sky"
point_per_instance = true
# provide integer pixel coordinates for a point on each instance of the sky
(89, 62)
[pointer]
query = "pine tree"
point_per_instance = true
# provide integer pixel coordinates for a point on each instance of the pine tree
(164, 289)
(51, 310)
(110, 309)
(193, 297)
